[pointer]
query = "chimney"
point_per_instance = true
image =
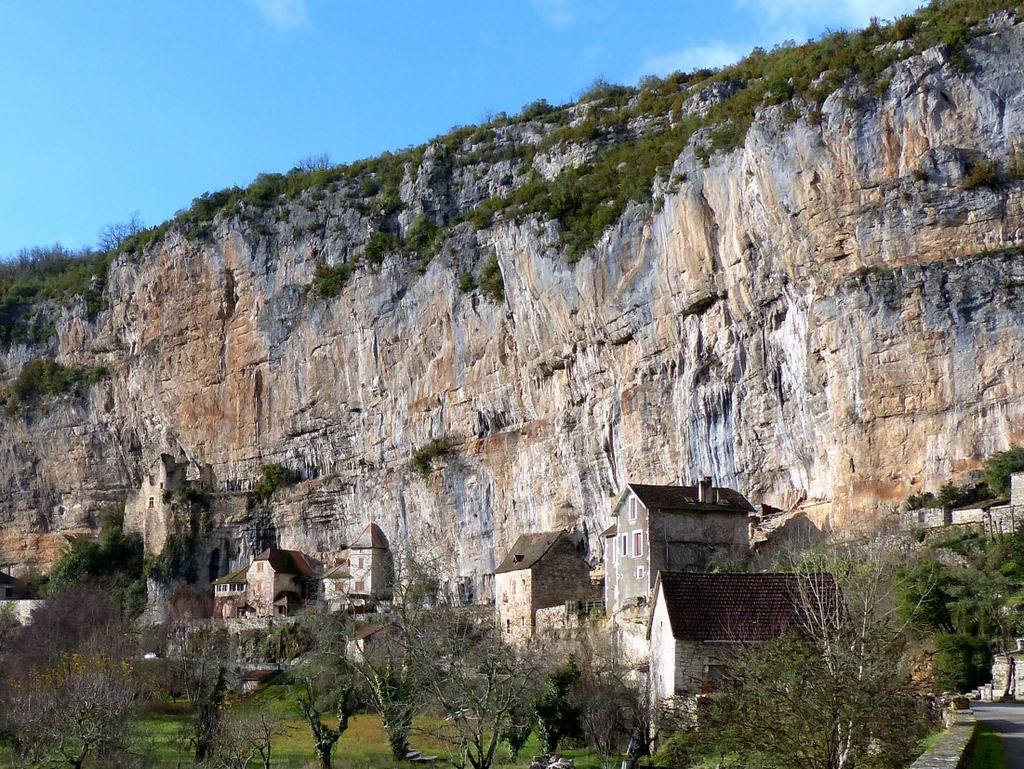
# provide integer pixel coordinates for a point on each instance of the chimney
(704, 490)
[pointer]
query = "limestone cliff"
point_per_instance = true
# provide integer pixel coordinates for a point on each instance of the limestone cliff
(826, 315)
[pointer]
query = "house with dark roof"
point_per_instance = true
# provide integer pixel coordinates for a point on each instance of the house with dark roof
(675, 528)
(276, 582)
(540, 571)
(698, 621)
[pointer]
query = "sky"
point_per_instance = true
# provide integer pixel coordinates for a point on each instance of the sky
(111, 107)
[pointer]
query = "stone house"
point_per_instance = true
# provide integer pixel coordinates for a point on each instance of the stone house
(335, 585)
(275, 583)
(361, 575)
(670, 528)
(540, 571)
(369, 566)
(698, 621)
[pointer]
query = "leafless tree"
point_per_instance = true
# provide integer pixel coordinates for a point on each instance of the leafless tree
(246, 738)
(478, 683)
(84, 706)
(613, 699)
(321, 162)
(114, 234)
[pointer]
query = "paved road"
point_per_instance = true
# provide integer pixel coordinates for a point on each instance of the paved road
(1008, 718)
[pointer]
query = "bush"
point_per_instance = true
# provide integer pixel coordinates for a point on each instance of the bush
(1000, 466)
(422, 233)
(963, 662)
(265, 190)
(492, 282)
(983, 174)
(437, 448)
(273, 477)
(380, 245)
(329, 281)
(466, 282)
(42, 377)
(919, 501)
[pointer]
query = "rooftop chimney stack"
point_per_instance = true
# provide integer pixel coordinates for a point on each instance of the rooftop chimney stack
(704, 490)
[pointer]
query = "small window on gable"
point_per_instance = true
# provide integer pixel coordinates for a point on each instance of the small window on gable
(259, 565)
(151, 501)
(632, 509)
(624, 544)
(638, 544)
(360, 562)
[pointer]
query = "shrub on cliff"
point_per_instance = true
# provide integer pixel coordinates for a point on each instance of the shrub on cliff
(437, 448)
(492, 282)
(42, 377)
(329, 281)
(273, 477)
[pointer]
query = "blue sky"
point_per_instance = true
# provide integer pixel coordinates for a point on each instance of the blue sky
(113, 106)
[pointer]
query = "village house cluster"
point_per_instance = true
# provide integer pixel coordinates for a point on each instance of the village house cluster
(652, 586)
(279, 582)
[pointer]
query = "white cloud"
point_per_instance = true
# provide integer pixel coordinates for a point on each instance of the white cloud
(696, 57)
(282, 14)
(557, 12)
(815, 15)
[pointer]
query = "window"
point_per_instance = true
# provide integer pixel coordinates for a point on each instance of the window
(639, 572)
(151, 500)
(360, 562)
(638, 544)
(508, 626)
(259, 565)
(360, 587)
(513, 587)
(632, 509)
(624, 544)
(522, 622)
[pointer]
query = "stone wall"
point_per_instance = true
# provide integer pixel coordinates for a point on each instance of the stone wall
(952, 751)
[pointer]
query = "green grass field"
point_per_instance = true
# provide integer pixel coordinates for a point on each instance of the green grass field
(362, 746)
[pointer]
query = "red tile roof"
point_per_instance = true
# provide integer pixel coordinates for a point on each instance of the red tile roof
(739, 607)
(286, 561)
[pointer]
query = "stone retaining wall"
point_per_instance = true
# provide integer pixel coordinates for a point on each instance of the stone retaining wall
(953, 748)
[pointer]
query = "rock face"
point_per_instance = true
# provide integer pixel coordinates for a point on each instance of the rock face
(824, 316)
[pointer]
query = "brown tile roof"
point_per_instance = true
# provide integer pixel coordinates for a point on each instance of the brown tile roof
(685, 498)
(527, 550)
(286, 561)
(372, 537)
(737, 607)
